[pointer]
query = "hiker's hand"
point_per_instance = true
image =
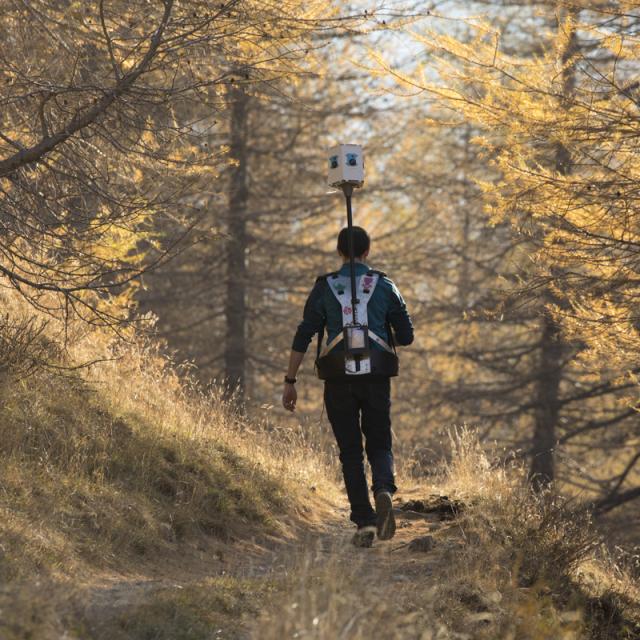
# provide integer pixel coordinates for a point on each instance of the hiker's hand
(289, 397)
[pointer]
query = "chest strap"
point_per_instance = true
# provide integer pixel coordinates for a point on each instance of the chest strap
(377, 339)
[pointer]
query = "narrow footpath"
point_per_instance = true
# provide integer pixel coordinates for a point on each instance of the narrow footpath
(312, 584)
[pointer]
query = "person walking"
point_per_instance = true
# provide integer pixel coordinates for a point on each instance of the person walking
(356, 387)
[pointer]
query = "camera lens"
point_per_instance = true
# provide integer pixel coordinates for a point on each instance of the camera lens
(333, 162)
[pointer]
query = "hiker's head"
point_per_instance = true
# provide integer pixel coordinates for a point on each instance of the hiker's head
(361, 243)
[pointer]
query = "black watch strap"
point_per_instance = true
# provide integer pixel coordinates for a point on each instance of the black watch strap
(289, 380)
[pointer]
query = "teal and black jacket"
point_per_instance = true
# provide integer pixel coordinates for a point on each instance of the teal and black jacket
(386, 307)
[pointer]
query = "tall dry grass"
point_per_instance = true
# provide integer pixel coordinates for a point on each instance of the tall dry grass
(513, 566)
(110, 457)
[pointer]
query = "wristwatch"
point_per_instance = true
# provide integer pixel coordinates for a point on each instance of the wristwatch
(289, 380)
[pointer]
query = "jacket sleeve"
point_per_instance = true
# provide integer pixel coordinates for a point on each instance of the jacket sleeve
(313, 317)
(399, 317)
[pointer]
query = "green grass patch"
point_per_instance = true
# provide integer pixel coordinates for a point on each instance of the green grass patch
(214, 608)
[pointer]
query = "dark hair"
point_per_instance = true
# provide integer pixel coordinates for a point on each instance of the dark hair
(361, 241)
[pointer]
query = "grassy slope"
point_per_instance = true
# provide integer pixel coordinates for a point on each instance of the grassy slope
(531, 567)
(115, 468)
(116, 471)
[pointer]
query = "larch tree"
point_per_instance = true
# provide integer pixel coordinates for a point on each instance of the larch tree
(558, 128)
(103, 108)
(270, 228)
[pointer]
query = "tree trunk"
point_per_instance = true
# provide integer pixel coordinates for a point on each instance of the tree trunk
(542, 470)
(235, 348)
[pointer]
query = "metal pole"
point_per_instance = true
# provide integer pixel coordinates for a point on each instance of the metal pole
(348, 192)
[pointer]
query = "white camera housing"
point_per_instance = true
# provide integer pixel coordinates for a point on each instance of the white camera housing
(346, 165)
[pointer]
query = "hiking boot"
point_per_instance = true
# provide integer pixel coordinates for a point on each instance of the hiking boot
(386, 522)
(363, 537)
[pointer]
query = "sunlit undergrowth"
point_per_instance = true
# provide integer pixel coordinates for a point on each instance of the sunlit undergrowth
(510, 566)
(118, 462)
(531, 566)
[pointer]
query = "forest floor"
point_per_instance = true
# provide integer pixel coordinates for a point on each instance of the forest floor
(133, 508)
(300, 585)
(428, 583)
(459, 568)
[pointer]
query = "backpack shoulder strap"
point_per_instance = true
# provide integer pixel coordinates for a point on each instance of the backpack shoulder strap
(326, 276)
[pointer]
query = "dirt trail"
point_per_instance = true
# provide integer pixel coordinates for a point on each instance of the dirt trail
(395, 575)
(407, 548)
(396, 572)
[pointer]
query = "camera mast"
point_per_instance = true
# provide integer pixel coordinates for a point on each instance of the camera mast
(346, 170)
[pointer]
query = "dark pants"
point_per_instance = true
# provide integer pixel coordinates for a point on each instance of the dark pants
(346, 402)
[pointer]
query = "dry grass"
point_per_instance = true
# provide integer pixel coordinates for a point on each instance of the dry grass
(120, 458)
(333, 594)
(121, 466)
(527, 568)
(523, 567)
(118, 466)
(216, 607)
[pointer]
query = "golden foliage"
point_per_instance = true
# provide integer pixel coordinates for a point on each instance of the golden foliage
(560, 129)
